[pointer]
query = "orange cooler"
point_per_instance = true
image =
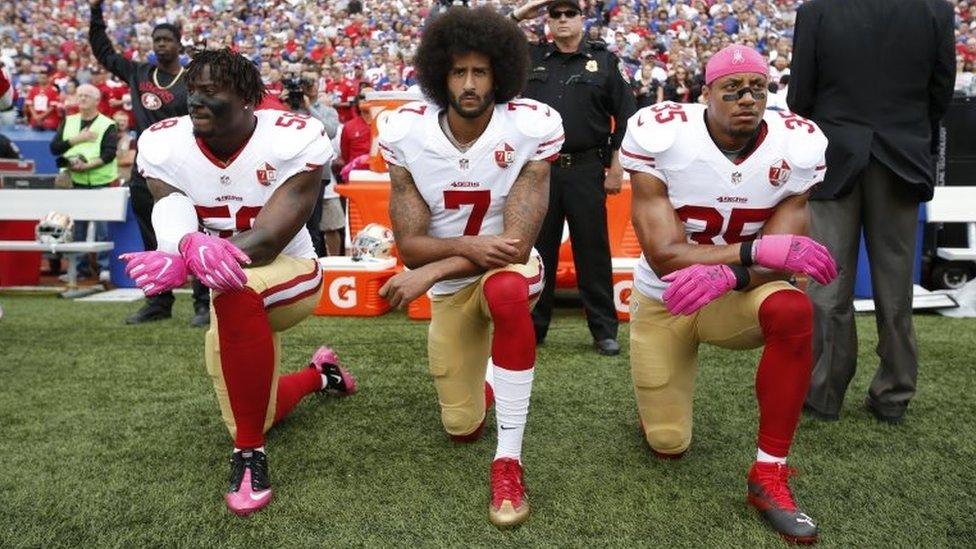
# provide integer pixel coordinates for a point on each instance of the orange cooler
(380, 105)
(419, 309)
(623, 285)
(352, 288)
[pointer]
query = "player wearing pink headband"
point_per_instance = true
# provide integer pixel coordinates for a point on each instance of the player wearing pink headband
(720, 210)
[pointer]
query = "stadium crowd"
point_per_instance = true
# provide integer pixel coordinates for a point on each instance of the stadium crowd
(664, 44)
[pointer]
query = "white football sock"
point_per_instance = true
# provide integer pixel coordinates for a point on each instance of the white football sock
(763, 457)
(490, 373)
(260, 449)
(513, 390)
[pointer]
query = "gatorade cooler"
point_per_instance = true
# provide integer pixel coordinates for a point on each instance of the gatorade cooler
(19, 268)
(380, 105)
(419, 309)
(623, 285)
(352, 288)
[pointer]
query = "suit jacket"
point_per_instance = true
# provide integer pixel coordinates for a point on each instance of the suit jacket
(876, 76)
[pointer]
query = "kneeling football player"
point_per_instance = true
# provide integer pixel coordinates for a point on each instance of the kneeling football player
(470, 186)
(720, 209)
(250, 179)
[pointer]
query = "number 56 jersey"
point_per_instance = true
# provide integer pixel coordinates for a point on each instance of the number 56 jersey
(720, 201)
(228, 195)
(466, 191)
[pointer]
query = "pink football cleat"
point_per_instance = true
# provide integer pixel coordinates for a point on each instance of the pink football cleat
(340, 381)
(250, 487)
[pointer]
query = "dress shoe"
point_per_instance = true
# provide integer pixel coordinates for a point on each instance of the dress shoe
(890, 419)
(607, 347)
(201, 317)
(818, 415)
(150, 312)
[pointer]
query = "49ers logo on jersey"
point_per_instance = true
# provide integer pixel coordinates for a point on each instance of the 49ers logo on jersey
(504, 155)
(779, 173)
(267, 174)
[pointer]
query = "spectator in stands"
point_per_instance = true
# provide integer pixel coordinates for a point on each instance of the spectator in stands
(680, 88)
(125, 155)
(43, 106)
(69, 97)
(647, 90)
(85, 145)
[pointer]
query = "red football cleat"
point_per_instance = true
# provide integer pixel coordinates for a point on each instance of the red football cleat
(340, 381)
(769, 492)
(509, 504)
(475, 435)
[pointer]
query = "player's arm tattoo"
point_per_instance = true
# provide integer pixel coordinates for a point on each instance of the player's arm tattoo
(410, 216)
(284, 215)
(526, 205)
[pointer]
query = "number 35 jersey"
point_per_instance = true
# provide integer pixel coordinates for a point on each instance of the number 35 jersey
(466, 191)
(720, 201)
(229, 195)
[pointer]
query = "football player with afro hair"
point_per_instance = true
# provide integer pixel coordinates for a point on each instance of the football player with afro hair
(482, 30)
(469, 173)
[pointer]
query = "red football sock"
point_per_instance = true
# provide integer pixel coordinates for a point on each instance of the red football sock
(783, 376)
(292, 388)
(513, 342)
(247, 359)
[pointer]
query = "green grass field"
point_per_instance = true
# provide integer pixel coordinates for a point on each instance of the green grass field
(111, 437)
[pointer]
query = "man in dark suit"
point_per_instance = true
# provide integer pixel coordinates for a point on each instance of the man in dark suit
(876, 76)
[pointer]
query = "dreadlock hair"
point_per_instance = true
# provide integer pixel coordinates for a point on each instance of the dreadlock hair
(229, 69)
(171, 28)
(459, 31)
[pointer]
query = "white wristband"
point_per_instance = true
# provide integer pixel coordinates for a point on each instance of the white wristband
(173, 217)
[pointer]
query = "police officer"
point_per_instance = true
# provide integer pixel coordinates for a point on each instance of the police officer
(158, 92)
(581, 80)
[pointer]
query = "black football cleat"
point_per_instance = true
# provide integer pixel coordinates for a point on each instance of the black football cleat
(769, 492)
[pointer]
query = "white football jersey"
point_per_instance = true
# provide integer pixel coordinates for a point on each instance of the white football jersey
(228, 196)
(466, 191)
(720, 201)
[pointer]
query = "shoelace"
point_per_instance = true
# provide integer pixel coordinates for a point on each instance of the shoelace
(776, 483)
(505, 482)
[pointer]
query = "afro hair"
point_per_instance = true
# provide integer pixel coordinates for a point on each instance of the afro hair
(483, 30)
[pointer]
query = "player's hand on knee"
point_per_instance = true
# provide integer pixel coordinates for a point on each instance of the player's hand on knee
(491, 252)
(214, 261)
(155, 272)
(796, 254)
(694, 287)
(405, 287)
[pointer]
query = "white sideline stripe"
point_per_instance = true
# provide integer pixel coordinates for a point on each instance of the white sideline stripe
(294, 290)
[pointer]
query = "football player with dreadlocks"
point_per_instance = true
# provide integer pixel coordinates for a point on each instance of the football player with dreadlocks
(250, 179)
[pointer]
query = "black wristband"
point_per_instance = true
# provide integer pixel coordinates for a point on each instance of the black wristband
(742, 277)
(745, 253)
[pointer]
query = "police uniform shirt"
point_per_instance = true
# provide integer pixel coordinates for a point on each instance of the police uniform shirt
(586, 88)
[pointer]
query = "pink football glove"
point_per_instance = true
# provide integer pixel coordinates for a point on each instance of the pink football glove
(214, 261)
(694, 287)
(796, 254)
(155, 272)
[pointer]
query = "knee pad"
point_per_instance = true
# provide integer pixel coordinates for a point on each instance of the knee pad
(506, 292)
(786, 314)
(460, 421)
(668, 439)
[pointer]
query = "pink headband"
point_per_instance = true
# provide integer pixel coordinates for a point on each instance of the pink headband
(735, 59)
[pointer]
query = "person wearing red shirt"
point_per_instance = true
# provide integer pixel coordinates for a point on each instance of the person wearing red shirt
(43, 105)
(356, 138)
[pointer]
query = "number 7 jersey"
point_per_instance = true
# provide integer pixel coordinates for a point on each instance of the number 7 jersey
(229, 195)
(720, 201)
(466, 191)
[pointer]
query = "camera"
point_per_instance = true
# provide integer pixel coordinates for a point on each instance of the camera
(295, 86)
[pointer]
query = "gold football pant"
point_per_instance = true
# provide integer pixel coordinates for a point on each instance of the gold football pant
(459, 343)
(664, 356)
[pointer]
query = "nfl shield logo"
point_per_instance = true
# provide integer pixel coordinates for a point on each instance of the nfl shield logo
(779, 173)
(504, 155)
(225, 180)
(463, 163)
(267, 174)
(736, 178)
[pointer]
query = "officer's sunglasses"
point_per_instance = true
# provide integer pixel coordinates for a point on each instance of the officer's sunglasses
(563, 14)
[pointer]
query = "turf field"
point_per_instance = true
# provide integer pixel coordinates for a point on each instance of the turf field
(111, 438)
